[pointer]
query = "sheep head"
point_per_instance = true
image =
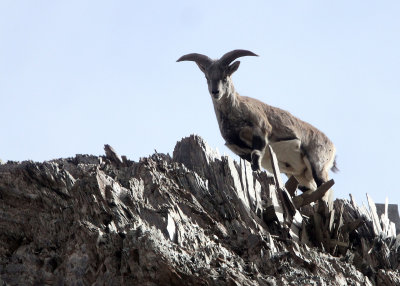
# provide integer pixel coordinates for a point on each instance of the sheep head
(218, 72)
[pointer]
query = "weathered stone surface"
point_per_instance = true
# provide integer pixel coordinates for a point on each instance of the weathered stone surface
(393, 214)
(193, 219)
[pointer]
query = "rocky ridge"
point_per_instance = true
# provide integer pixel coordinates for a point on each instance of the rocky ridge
(196, 218)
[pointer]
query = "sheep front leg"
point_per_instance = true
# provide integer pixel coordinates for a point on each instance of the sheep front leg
(258, 149)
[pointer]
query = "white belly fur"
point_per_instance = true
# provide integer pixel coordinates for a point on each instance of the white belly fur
(291, 161)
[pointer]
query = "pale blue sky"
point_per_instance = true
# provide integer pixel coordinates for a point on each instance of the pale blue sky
(75, 75)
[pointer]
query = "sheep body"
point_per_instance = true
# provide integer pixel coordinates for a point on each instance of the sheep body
(249, 125)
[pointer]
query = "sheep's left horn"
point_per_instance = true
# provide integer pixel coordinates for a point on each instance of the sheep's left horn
(198, 58)
(233, 55)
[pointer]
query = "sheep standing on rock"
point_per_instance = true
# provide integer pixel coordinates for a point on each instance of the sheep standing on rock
(249, 125)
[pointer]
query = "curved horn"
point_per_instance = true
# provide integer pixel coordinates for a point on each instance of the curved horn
(198, 58)
(233, 55)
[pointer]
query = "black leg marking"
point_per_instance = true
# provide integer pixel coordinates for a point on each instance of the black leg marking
(303, 188)
(258, 146)
(246, 157)
(255, 160)
(258, 143)
(235, 140)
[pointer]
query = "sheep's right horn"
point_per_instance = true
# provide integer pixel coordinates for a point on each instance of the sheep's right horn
(233, 55)
(198, 58)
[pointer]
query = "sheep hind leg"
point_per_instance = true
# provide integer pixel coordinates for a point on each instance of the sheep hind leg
(327, 199)
(306, 179)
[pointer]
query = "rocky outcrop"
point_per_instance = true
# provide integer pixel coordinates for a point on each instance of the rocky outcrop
(393, 214)
(192, 219)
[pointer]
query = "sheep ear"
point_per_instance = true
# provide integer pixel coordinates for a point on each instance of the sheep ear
(201, 67)
(233, 67)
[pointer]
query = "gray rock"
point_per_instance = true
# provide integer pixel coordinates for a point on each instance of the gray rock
(393, 214)
(194, 219)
